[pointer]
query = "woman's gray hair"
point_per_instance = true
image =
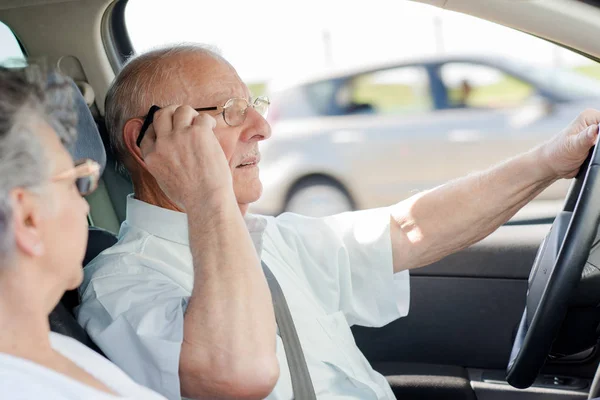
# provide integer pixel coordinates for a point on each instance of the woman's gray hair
(29, 96)
(137, 87)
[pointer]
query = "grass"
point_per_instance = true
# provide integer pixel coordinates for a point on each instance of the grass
(593, 71)
(387, 98)
(504, 93)
(257, 88)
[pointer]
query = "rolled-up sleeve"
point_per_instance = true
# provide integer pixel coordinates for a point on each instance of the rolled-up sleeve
(348, 260)
(135, 315)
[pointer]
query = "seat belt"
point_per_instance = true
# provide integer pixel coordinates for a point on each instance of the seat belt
(301, 383)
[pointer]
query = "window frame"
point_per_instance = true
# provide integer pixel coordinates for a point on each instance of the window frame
(536, 90)
(420, 67)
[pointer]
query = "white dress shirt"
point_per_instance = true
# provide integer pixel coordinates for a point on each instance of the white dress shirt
(22, 379)
(335, 272)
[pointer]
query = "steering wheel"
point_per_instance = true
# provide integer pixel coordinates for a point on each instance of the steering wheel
(556, 274)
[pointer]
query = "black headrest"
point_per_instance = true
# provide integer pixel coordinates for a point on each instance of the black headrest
(98, 240)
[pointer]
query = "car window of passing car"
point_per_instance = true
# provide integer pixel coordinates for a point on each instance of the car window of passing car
(480, 86)
(403, 90)
(321, 97)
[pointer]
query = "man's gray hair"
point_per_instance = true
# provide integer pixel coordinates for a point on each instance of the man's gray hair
(28, 97)
(136, 88)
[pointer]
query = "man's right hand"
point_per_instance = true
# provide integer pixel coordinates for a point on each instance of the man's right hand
(183, 154)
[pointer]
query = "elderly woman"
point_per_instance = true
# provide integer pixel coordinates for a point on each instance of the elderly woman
(43, 234)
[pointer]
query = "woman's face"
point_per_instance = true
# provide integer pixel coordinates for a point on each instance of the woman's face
(63, 223)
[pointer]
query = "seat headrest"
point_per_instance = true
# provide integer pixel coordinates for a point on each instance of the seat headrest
(89, 143)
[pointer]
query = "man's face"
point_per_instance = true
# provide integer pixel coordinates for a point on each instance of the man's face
(201, 81)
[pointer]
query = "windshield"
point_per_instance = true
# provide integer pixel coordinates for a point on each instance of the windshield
(569, 83)
(565, 83)
(382, 111)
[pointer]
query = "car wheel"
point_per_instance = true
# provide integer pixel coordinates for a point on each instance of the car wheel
(318, 197)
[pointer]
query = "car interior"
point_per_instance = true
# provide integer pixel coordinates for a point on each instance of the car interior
(466, 319)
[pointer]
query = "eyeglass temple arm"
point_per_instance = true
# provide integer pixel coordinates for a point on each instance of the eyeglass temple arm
(150, 119)
(90, 167)
(147, 122)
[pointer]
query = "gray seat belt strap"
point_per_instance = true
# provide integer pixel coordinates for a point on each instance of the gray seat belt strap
(301, 382)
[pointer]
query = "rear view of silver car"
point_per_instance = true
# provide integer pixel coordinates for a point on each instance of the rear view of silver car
(368, 137)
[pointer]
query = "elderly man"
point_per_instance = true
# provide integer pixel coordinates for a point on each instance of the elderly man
(181, 302)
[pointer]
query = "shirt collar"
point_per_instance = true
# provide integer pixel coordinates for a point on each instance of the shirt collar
(173, 225)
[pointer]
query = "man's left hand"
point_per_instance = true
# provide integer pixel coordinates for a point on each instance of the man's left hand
(564, 153)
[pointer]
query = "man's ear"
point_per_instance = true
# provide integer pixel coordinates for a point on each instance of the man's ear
(26, 222)
(131, 131)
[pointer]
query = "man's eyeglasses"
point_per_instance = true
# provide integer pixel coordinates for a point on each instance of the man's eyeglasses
(234, 112)
(86, 173)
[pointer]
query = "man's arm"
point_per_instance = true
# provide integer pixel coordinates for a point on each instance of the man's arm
(439, 222)
(229, 333)
(229, 330)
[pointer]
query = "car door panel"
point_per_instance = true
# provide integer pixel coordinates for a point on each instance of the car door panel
(431, 381)
(490, 385)
(464, 313)
(412, 381)
(507, 253)
(446, 326)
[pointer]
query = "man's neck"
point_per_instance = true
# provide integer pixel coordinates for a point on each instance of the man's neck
(153, 195)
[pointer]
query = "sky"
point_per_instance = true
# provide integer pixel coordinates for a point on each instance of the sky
(271, 39)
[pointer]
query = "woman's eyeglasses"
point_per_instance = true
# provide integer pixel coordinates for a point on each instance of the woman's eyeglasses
(86, 173)
(234, 112)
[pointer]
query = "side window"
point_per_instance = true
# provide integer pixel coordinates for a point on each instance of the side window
(403, 90)
(479, 86)
(11, 53)
(321, 97)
